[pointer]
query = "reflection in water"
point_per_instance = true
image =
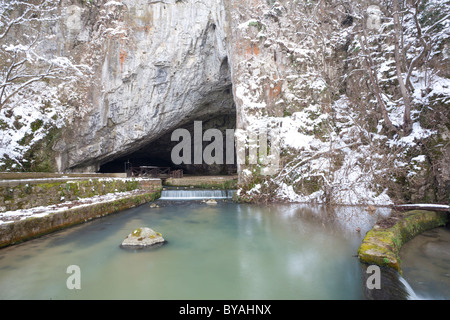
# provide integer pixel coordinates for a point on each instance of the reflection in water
(223, 251)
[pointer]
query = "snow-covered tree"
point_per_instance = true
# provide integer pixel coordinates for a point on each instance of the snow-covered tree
(397, 49)
(21, 62)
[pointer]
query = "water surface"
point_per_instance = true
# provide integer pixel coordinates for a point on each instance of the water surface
(223, 251)
(426, 264)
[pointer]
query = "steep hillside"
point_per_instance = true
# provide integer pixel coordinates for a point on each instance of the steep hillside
(353, 96)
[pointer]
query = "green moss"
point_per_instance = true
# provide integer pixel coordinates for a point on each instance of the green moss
(36, 125)
(137, 232)
(26, 139)
(8, 194)
(226, 185)
(40, 156)
(311, 184)
(3, 125)
(257, 24)
(30, 228)
(381, 246)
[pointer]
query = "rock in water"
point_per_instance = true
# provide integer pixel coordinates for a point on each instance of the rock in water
(143, 237)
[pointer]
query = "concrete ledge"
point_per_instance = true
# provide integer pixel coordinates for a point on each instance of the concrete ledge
(19, 231)
(382, 244)
(25, 193)
(204, 182)
(46, 175)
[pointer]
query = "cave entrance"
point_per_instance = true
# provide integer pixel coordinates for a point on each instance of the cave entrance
(158, 153)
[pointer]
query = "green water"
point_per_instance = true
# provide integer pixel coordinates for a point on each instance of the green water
(223, 251)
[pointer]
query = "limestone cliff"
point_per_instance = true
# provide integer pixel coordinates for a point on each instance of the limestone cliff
(321, 75)
(156, 65)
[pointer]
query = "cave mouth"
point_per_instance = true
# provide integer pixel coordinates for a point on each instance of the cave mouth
(159, 152)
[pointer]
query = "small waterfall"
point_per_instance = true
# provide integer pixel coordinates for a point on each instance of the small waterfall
(196, 194)
(393, 286)
(410, 292)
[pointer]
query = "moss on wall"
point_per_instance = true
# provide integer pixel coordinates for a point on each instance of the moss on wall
(24, 196)
(382, 244)
(19, 231)
(227, 183)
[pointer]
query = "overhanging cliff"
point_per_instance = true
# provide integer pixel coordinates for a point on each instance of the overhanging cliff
(325, 76)
(156, 67)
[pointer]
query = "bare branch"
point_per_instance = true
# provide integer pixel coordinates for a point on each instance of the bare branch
(371, 70)
(407, 122)
(23, 65)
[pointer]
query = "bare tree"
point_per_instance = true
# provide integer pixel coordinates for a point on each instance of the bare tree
(405, 64)
(407, 122)
(21, 64)
(375, 86)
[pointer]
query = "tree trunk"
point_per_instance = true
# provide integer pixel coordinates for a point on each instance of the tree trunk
(407, 122)
(375, 86)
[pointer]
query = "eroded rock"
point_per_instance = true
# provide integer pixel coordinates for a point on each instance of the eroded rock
(143, 237)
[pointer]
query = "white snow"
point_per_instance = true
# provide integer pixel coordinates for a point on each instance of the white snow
(36, 212)
(425, 205)
(113, 3)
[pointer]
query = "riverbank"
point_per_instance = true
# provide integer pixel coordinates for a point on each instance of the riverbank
(381, 245)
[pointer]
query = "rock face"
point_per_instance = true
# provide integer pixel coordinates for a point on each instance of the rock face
(142, 237)
(155, 66)
(297, 68)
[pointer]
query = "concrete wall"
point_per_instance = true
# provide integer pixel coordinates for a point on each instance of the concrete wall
(26, 194)
(204, 182)
(12, 233)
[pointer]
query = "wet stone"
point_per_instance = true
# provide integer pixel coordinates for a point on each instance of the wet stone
(143, 237)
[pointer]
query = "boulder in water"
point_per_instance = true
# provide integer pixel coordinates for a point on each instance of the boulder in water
(143, 237)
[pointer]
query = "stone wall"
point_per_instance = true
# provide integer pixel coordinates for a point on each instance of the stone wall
(47, 192)
(12, 233)
(382, 244)
(206, 182)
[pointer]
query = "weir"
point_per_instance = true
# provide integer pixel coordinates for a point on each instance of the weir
(196, 194)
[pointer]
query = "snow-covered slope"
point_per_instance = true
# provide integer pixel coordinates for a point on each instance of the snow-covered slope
(356, 118)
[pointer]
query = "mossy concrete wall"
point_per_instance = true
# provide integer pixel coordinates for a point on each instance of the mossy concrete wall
(381, 246)
(35, 193)
(12, 233)
(204, 182)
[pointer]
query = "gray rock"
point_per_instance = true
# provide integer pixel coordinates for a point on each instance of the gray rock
(155, 67)
(143, 237)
